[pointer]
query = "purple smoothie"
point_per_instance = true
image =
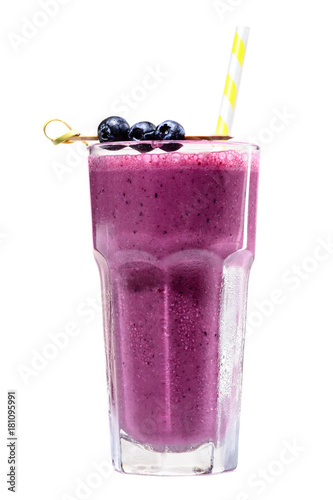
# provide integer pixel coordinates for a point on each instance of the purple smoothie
(172, 231)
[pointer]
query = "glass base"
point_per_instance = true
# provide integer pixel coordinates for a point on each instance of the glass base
(206, 459)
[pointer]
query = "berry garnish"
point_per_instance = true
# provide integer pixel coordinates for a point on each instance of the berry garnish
(113, 129)
(169, 130)
(142, 131)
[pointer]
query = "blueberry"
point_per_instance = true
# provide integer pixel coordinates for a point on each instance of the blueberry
(167, 131)
(113, 129)
(142, 131)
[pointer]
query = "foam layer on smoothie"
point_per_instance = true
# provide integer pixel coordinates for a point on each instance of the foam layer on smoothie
(212, 160)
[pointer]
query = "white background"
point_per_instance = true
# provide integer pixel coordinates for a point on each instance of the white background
(79, 66)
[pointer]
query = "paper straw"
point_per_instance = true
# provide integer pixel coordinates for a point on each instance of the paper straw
(232, 83)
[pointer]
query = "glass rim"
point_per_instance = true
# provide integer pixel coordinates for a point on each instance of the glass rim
(157, 144)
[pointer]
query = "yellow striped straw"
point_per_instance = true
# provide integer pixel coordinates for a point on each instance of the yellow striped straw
(232, 83)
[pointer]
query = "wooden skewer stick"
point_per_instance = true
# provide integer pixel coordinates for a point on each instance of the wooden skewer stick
(187, 138)
(73, 135)
(207, 137)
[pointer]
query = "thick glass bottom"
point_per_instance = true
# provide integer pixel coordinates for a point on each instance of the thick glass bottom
(205, 459)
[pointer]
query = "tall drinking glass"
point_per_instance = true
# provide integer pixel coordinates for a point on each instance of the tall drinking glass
(174, 240)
